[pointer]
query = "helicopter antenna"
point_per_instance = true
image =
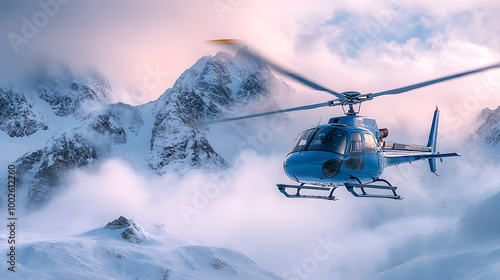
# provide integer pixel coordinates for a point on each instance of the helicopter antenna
(400, 172)
(348, 100)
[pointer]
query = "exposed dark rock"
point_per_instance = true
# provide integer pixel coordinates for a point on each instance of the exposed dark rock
(50, 164)
(131, 230)
(17, 116)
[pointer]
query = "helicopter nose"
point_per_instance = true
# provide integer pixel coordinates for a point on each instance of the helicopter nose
(309, 166)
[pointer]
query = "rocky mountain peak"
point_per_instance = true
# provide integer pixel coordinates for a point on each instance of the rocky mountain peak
(212, 88)
(66, 91)
(485, 113)
(130, 230)
(489, 131)
(17, 116)
(224, 79)
(245, 59)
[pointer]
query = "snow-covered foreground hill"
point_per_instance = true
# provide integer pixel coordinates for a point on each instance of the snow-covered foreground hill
(124, 250)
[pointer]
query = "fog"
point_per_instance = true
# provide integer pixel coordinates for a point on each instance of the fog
(241, 208)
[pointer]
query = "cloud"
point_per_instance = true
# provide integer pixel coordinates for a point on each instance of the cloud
(125, 39)
(241, 208)
(477, 223)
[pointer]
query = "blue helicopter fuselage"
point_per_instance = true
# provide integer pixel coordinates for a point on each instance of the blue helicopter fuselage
(344, 150)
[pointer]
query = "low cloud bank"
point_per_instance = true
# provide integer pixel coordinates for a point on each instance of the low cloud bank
(242, 209)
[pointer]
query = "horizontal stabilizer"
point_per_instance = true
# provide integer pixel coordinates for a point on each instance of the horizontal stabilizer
(405, 158)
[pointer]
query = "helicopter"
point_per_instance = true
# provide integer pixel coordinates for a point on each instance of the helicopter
(349, 151)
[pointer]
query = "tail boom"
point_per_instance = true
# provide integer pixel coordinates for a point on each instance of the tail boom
(403, 153)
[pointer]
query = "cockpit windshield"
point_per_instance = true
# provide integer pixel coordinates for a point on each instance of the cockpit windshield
(328, 139)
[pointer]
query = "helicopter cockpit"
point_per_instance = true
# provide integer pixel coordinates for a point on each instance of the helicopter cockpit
(328, 139)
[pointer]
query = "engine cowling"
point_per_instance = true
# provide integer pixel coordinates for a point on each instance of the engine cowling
(384, 132)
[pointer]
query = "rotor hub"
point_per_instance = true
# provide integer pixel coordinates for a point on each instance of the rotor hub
(351, 94)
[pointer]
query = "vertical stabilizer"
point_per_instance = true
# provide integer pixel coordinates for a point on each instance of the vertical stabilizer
(432, 143)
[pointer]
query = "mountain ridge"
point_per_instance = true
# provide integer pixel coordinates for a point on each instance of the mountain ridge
(151, 136)
(488, 132)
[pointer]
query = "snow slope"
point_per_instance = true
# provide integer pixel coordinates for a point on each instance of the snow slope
(124, 250)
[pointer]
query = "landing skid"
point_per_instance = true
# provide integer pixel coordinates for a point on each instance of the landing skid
(351, 188)
(329, 189)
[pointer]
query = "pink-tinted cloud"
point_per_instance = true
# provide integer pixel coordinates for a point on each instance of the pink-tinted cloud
(126, 39)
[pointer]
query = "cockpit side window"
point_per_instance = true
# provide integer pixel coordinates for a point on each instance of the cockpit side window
(356, 146)
(369, 143)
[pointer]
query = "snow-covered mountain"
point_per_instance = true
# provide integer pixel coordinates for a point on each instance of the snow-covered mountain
(488, 132)
(64, 121)
(17, 117)
(66, 92)
(125, 250)
(24, 110)
(211, 88)
(82, 128)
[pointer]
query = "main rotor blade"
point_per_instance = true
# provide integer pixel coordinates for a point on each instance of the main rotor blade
(306, 107)
(236, 43)
(435, 81)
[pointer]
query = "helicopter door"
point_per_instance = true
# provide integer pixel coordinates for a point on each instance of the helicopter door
(356, 161)
(371, 158)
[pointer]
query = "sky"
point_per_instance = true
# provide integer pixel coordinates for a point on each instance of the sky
(368, 46)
